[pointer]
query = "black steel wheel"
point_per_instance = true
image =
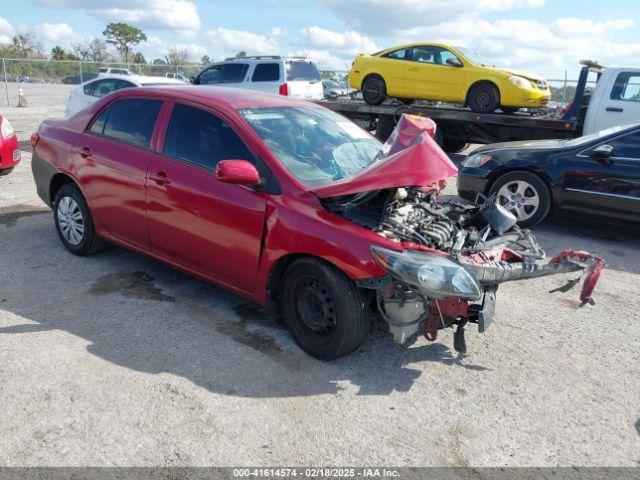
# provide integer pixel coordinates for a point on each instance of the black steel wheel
(374, 90)
(484, 98)
(324, 310)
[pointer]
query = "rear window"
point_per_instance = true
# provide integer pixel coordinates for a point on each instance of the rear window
(266, 72)
(234, 72)
(302, 71)
(130, 120)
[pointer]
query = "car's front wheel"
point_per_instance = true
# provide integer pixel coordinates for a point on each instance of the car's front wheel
(374, 90)
(324, 309)
(525, 195)
(483, 98)
(74, 223)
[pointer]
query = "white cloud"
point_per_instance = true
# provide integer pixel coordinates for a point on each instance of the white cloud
(229, 42)
(6, 31)
(348, 41)
(155, 47)
(573, 27)
(152, 14)
(390, 17)
(56, 33)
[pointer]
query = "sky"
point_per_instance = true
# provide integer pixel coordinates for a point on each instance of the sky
(545, 37)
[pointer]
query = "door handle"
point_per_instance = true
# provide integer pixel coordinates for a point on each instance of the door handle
(160, 178)
(85, 152)
(615, 109)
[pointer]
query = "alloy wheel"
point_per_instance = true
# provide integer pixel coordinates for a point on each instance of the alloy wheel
(520, 198)
(70, 220)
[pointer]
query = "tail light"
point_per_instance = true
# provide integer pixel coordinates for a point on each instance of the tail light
(34, 140)
(284, 90)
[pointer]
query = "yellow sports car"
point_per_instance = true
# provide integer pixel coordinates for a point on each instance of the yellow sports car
(435, 71)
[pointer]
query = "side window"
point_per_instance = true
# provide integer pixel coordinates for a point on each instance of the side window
(124, 84)
(266, 72)
(98, 124)
(234, 72)
(211, 75)
(447, 55)
(132, 120)
(104, 87)
(402, 54)
(88, 88)
(626, 87)
(201, 138)
(627, 146)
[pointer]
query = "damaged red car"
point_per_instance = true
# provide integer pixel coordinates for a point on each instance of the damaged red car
(291, 205)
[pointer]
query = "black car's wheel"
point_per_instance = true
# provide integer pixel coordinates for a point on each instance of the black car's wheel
(525, 195)
(483, 98)
(74, 222)
(324, 310)
(374, 90)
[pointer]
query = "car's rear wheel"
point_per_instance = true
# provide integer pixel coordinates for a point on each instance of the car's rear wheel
(374, 90)
(324, 309)
(483, 98)
(525, 195)
(74, 223)
(453, 146)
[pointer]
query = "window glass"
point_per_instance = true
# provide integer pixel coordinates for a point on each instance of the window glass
(124, 84)
(88, 87)
(98, 124)
(303, 71)
(104, 87)
(266, 72)
(234, 72)
(402, 54)
(201, 138)
(211, 75)
(626, 87)
(627, 146)
(132, 120)
(431, 54)
(315, 145)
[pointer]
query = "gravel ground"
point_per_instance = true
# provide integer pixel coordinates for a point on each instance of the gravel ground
(119, 360)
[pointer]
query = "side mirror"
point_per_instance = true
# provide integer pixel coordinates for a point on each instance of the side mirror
(454, 62)
(240, 172)
(602, 153)
(192, 80)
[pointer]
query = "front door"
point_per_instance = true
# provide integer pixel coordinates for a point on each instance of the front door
(429, 76)
(116, 153)
(205, 225)
(622, 103)
(611, 186)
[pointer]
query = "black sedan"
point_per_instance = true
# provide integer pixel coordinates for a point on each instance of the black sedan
(597, 174)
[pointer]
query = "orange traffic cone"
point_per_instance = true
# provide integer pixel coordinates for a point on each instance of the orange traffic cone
(22, 101)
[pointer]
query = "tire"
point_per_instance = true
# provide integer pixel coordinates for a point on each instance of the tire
(324, 310)
(6, 171)
(509, 110)
(74, 222)
(453, 146)
(374, 90)
(525, 195)
(483, 98)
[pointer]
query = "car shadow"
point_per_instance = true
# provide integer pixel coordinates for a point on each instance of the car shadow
(140, 314)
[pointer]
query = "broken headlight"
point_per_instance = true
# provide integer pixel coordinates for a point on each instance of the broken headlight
(435, 276)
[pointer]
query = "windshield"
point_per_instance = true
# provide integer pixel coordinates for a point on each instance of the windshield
(317, 146)
(302, 71)
(574, 142)
(475, 57)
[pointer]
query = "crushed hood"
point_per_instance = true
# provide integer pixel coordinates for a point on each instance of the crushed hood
(410, 157)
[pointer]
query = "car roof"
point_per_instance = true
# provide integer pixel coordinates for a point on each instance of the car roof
(230, 98)
(416, 44)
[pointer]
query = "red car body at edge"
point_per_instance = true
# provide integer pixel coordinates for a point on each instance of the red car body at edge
(9, 148)
(285, 203)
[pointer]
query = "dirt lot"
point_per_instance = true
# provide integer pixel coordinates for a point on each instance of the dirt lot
(119, 360)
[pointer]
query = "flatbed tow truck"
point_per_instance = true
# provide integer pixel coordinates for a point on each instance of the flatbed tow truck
(458, 126)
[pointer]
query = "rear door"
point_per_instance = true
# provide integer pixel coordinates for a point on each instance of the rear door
(115, 152)
(303, 80)
(266, 77)
(609, 187)
(621, 104)
(428, 76)
(207, 226)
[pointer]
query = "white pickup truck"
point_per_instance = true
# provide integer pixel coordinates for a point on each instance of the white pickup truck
(614, 100)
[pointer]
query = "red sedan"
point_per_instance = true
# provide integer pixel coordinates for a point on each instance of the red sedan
(289, 204)
(9, 147)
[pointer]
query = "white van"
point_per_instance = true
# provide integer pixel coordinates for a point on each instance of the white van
(290, 76)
